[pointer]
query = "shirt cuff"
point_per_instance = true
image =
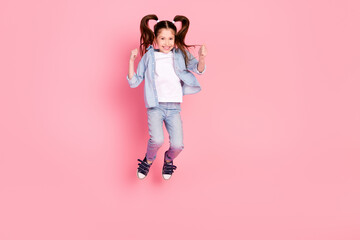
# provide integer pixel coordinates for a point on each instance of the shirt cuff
(197, 71)
(132, 80)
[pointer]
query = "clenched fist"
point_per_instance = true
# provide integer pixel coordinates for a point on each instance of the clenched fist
(133, 55)
(202, 51)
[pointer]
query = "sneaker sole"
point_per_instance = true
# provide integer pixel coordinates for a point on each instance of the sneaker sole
(166, 175)
(139, 175)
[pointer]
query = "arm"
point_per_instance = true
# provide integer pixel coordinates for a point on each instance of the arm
(133, 78)
(195, 65)
(131, 63)
(202, 54)
(201, 65)
(131, 69)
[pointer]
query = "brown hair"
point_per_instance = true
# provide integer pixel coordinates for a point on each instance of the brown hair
(148, 36)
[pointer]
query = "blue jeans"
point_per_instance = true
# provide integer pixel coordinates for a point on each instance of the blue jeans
(170, 114)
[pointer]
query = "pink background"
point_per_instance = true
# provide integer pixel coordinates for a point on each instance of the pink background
(271, 142)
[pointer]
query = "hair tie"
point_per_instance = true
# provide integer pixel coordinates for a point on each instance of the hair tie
(160, 21)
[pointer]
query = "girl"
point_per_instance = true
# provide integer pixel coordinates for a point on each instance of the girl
(167, 79)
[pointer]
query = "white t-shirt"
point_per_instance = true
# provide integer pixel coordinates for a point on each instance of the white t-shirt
(168, 85)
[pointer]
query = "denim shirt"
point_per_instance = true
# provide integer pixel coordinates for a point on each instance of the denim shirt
(146, 70)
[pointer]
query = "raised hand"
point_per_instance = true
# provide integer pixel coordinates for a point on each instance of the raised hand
(202, 51)
(133, 55)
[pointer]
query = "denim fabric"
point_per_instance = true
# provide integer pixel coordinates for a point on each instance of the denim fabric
(170, 114)
(146, 70)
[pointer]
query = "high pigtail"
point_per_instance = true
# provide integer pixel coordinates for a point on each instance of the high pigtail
(180, 36)
(147, 35)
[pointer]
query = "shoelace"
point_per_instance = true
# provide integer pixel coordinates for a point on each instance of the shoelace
(143, 166)
(168, 168)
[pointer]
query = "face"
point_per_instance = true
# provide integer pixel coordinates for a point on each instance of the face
(165, 40)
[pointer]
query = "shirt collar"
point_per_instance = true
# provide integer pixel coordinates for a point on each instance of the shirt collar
(151, 46)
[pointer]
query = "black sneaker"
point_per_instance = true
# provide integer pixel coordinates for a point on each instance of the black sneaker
(143, 168)
(168, 170)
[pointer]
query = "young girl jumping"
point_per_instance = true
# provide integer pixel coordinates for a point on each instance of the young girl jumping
(167, 75)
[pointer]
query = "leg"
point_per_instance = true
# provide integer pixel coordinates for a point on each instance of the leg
(173, 125)
(155, 124)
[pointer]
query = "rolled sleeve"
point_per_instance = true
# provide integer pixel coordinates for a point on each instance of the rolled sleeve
(193, 64)
(139, 75)
(134, 81)
(197, 71)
